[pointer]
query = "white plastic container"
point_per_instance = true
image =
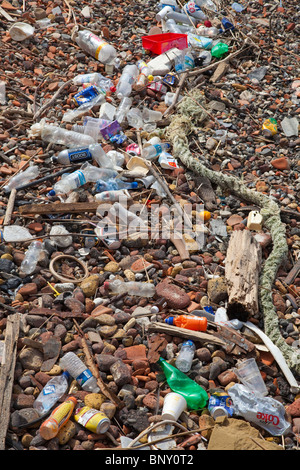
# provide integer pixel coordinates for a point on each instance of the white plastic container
(96, 47)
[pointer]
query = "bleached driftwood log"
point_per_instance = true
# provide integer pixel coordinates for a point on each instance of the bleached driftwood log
(242, 271)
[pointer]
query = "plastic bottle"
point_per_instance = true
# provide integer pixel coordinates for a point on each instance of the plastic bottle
(159, 305)
(113, 185)
(153, 151)
(92, 419)
(78, 370)
(96, 46)
(51, 393)
(172, 26)
(162, 13)
(59, 416)
(169, 3)
(182, 18)
(30, 261)
(59, 135)
(190, 322)
(189, 62)
(93, 78)
(124, 86)
(205, 57)
(145, 75)
(122, 110)
(134, 118)
(22, 178)
(208, 32)
(191, 8)
(140, 289)
(113, 196)
(196, 397)
(185, 357)
(87, 174)
(206, 4)
(77, 155)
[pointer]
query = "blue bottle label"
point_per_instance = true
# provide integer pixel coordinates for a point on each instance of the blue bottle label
(80, 178)
(79, 155)
(84, 376)
(49, 389)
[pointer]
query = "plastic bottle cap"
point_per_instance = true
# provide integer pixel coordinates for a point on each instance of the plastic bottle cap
(106, 285)
(134, 184)
(51, 192)
(150, 78)
(169, 320)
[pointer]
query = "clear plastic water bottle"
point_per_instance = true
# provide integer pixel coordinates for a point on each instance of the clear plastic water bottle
(51, 393)
(153, 151)
(140, 289)
(22, 178)
(113, 185)
(78, 370)
(93, 78)
(172, 26)
(59, 135)
(208, 32)
(124, 86)
(123, 109)
(30, 261)
(185, 356)
(209, 4)
(92, 152)
(96, 46)
(87, 174)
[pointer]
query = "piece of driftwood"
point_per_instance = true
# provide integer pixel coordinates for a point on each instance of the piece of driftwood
(10, 207)
(293, 273)
(184, 333)
(60, 208)
(242, 269)
(7, 370)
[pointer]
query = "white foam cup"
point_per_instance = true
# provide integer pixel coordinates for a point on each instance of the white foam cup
(174, 405)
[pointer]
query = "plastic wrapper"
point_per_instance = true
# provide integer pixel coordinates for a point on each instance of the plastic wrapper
(264, 412)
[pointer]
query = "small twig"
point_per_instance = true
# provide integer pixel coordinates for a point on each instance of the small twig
(49, 103)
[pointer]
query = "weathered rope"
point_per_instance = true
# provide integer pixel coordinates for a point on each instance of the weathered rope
(183, 123)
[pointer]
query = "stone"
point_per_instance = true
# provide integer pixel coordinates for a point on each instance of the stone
(217, 289)
(174, 295)
(121, 373)
(90, 285)
(31, 358)
(66, 433)
(94, 400)
(294, 408)
(281, 163)
(28, 289)
(107, 331)
(109, 409)
(112, 267)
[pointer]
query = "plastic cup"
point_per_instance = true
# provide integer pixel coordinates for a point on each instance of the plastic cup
(149, 115)
(248, 373)
(174, 405)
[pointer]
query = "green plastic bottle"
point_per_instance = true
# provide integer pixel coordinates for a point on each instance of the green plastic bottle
(196, 397)
(219, 49)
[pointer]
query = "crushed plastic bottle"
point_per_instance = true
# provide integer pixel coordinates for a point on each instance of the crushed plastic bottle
(265, 412)
(113, 196)
(129, 75)
(31, 258)
(196, 397)
(87, 174)
(113, 185)
(191, 8)
(78, 370)
(139, 289)
(96, 78)
(145, 75)
(59, 135)
(22, 178)
(167, 161)
(185, 357)
(122, 110)
(51, 393)
(96, 47)
(64, 239)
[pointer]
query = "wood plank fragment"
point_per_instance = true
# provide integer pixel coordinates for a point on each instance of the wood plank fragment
(7, 370)
(183, 333)
(242, 269)
(60, 208)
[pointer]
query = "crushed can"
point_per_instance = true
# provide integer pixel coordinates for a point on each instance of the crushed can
(270, 127)
(86, 95)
